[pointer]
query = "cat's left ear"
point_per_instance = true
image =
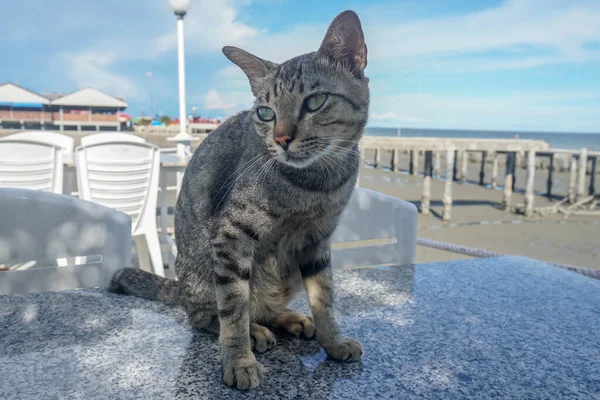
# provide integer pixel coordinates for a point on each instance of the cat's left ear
(344, 41)
(255, 68)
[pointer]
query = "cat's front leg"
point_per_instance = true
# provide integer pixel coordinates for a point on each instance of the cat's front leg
(316, 275)
(234, 251)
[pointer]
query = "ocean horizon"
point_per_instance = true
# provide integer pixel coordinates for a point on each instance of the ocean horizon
(557, 140)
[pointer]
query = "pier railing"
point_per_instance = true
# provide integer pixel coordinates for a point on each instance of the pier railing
(512, 153)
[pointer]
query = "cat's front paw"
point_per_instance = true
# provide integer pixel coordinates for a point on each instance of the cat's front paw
(245, 373)
(345, 350)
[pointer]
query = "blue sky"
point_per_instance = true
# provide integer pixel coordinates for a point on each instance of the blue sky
(507, 65)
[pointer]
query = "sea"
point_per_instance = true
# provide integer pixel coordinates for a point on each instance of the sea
(574, 141)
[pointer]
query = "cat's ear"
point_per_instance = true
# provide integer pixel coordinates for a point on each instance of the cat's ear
(255, 68)
(344, 41)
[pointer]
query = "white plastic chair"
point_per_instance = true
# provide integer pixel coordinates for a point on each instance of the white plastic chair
(124, 176)
(108, 137)
(65, 142)
(375, 230)
(31, 165)
(39, 228)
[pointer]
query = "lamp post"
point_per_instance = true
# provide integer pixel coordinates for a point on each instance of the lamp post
(183, 138)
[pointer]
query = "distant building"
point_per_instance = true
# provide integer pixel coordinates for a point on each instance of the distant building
(85, 109)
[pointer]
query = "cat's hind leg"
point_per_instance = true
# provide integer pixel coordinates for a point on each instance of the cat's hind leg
(262, 338)
(295, 323)
(198, 300)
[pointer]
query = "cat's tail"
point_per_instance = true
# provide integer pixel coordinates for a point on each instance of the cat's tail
(135, 282)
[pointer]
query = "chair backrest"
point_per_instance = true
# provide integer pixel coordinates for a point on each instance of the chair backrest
(110, 137)
(31, 165)
(37, 229)
(65, 142)
(375, 230)
(120, 175)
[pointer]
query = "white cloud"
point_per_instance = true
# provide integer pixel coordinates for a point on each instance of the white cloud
(92, 69)
(385, 116)
(413, 119)
(551, 32)
(209, 26)
(560, 31)
(392, 116)
(519, 110)
(228, 102)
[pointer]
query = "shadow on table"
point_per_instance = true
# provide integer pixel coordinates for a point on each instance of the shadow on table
(297, 367)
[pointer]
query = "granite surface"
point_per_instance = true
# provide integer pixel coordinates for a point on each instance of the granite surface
(496, 328)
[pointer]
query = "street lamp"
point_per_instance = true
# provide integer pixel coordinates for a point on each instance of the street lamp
(183, 138)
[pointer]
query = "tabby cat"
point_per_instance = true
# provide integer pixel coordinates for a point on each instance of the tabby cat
(260, 200)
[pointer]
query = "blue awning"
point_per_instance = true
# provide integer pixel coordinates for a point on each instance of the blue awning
(23, 105)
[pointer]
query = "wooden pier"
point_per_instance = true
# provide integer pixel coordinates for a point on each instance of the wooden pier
(532, 155)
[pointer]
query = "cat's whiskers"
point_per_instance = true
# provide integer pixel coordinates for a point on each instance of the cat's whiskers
(333, 168)
(336, 156)
(232, 176)
(232, 185)
(363, 139)
(268, 170)
(254, 180)
(339, 161)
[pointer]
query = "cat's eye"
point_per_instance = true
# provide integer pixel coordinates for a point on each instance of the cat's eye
(265, 114)
(313, 103)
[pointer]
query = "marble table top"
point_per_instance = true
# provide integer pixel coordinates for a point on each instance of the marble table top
(495, 328)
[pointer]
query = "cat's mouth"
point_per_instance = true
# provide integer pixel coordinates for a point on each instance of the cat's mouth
(296, 160)
(303, 158)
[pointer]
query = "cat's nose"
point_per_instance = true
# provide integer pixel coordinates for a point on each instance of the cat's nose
(284, 133)
(283, 141)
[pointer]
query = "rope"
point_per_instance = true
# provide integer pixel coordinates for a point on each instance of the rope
(479, 253)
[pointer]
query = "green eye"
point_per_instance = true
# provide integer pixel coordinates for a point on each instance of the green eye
(313, 103)
(265, 114)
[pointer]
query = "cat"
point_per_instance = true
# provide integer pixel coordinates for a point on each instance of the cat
(259, 202)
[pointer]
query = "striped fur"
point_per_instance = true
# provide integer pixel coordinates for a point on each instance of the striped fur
(253, 220)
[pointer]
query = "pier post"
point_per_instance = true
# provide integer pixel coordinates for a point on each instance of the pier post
(375, 158)
(508, 180)
(514, 170)
(463, 169)
(592, 189)
(394, 160)
(482, 171)
(529, 198)
(450, 172)
(378, 157)
(415, 168)
(566, 161)
(362, 156)
(550, 182)
(455, 166)
(426, 196)
(582, 173)
(410, 161)
(437, 164)
(572, 179)
(495, 170)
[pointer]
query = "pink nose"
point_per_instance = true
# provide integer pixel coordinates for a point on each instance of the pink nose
(284, 134)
